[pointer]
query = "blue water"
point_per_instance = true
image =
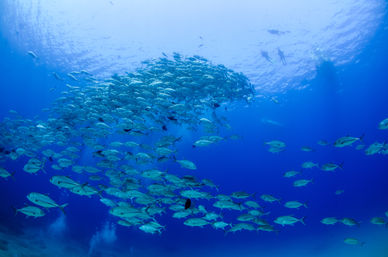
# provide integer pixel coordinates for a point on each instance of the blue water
(348, 99)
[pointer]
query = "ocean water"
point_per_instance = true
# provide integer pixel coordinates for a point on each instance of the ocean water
(332, 83)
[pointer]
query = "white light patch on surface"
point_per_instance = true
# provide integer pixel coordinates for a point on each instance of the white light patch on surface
(114, 36)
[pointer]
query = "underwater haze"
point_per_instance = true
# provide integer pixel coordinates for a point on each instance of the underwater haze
(193, 128)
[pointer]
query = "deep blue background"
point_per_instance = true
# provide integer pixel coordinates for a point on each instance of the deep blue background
(346, 100)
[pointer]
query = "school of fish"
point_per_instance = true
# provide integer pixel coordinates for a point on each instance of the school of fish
(127, 125)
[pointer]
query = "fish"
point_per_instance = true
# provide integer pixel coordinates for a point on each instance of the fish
(125, 211)
(194, 194)
(196, 222)
(290, 174)
(70, 75)
(309, 165)
(374, 148)
(187, 164)
(294, 204)
(383, 124)
(226, 204)
(220, 225)
(202, 142)
(288, 220)
(269, 198)
(276, 144)
(108, 202)
(339, 192)
(151, 227)
(282, 57)
(267, 228)
(306, 149)
(153, 174)
(211, 216)
(64, 163)
(6, 174)
(323, 143)
(31, 211)
(302, 182)
(331, 166)
(252, 204)
(265, 55)
(277, 32)
(63, 182)
(378, 221)
(32, 54)
(163, 151)
(246, 217)
(182, 214)
(223, 197)
(347, 141)
(350, 222)
(353, 241)
(84, 190)
(258, 213)
(240, 227)
(241, 195)
(329, 221)
(44, 201)
(57, 77)
(33, 166)
(86, 73)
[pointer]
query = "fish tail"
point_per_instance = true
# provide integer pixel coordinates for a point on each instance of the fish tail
(62, 208)
(362, 137)
(302, 220)
(100, 193)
